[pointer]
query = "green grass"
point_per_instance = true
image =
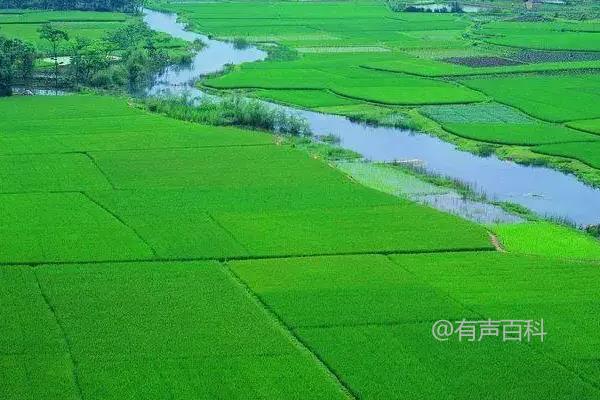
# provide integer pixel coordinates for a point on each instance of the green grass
(545, 239)
(544, 35)
(372, 229)
(587, 153)
(63, 227)
(100, 330)
(411, 96)
(50, 172)
(493, 113)
(354, 83)
(497, 123)
(212, 168)
(305, 98)
(370, 320)
(551, 98)
(433, 68)
(183, 190)
(92, 123)
(348, 290)
(518, 134)
(388, 179)
(90, 25)
(404, 361)
(592, 125)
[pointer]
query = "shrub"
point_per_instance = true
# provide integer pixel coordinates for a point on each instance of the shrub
(233, 110)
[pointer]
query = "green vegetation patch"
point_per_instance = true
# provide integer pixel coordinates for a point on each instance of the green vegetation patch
(503, 286)
(518, 134)
(305, 98)
(548, 239)
(213, 168)
(115, 319)
(587, 153)
(402, 228)
(96, 123)
(388, 179)
(368, 320)
(545, 35)
(497, 123)
(434, 68)
(411, 95)
(551, 98)
(342, 75)
(343, 290)
(34, 360)
(63, 227)
(404, 361)
(50, 172)
(590, 125)
(475, 113)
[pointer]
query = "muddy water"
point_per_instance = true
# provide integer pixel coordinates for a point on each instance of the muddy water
(543, 190)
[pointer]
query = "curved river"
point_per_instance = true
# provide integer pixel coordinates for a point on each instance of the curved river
(545, 191)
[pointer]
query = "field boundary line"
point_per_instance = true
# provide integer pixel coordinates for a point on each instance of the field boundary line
(95, 163)
(122, 222)
(74, 364)
(496, 242)
(143, 149)
(227, 231)
(482, 74)
(249, 258)
(296, 340)
(436, 289)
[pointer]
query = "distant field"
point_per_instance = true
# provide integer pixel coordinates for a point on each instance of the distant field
(545, 239)
(544, 35)
(85, 24)
(588, 153)
(496, 123)
(551, 98)
(543, 69)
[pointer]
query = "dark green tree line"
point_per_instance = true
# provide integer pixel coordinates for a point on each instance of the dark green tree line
(89, 5)
(16, 62)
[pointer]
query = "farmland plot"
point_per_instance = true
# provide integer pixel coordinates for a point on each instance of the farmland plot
(387, 331)
(113, 323)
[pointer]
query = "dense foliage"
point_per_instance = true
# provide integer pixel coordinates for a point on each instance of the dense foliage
(87, 5)
(232, 110)
(16, 62)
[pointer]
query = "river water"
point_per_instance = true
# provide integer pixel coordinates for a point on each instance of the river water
(545, 191)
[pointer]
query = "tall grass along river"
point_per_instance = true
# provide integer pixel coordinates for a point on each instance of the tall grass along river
(545, 191)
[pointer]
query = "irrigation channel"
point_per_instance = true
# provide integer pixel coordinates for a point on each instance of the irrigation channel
(543, 190)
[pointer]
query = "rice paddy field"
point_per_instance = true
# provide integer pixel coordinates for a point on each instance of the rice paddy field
(540, 64)
(145, 257)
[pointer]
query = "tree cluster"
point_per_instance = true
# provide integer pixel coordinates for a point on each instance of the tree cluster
(16, 63)
(87, 5)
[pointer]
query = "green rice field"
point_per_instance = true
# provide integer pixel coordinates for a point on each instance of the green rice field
(545, 71)
(228, 243)
(147, 257)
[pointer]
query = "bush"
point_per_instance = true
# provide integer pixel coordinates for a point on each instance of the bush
(593, 230)
(233, 110)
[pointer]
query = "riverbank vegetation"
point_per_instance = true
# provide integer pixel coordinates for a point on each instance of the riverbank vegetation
(537, 63)
(231, 111)
(105, 50)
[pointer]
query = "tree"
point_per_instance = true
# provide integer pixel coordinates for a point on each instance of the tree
(54, 36)
(16, 60)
